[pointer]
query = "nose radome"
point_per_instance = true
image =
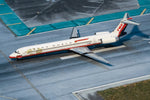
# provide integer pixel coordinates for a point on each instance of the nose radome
(12, 55)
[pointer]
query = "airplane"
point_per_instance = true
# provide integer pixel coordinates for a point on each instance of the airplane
(76, 43)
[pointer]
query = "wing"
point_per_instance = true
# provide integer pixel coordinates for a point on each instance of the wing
(74, 33)
(85, 51)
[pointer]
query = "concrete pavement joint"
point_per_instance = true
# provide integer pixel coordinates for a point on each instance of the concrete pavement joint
(21, 73)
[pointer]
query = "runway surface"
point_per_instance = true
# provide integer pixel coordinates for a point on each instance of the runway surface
(53, 78)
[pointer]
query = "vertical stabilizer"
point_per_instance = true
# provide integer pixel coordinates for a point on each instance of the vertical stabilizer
(119, 31)
(74, 33)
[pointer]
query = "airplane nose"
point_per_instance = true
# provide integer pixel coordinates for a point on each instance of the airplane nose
(12, 55)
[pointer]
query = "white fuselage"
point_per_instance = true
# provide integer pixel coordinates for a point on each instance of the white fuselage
(98, 38)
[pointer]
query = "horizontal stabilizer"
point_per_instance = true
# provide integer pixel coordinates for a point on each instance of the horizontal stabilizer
(129, 22)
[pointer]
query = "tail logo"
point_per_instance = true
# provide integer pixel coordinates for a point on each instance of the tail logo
(119, 27)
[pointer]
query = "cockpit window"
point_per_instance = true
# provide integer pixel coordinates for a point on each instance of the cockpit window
(16, 52)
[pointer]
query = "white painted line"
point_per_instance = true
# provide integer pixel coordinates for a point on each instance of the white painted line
(96, 51)
(70, 56)
(109, 49)
(146, 39)
(115, 84)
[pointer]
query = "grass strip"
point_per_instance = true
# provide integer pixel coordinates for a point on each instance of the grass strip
(135, 91)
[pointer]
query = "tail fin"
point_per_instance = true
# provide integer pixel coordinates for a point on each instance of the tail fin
(126, 19)
(119, 31)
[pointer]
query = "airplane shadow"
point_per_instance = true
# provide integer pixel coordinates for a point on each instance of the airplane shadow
(97, 63)
(135, 32)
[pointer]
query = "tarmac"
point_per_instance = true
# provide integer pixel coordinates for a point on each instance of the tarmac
(42, 12)
(52, 78)
(36, 16)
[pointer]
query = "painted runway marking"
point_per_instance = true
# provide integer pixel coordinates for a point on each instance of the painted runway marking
(68, 57)
(7, 98)
(148, 39)
(96, 51)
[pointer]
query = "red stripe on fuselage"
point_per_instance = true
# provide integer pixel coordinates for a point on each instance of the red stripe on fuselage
(56, 50)
(81, 40)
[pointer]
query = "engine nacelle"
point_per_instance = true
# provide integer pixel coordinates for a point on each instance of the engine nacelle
(107, 40)
(102, 33)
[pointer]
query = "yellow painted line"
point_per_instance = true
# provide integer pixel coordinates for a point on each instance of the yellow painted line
(143, 11)
(90, 21)
(2, 4)
(7, 98)
(31, 31)
(6, 13)
(13, 24)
